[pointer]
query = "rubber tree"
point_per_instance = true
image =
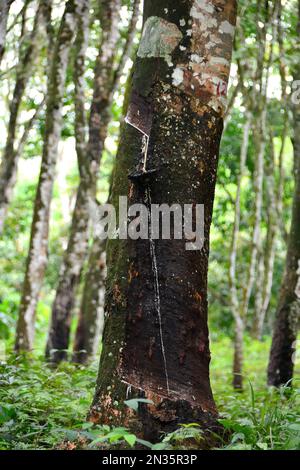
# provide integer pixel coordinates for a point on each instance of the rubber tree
(89, 158)
(37, 256)
(91, 314)
(281, 361)
(4, 11)
(155, 342)
(10, 157)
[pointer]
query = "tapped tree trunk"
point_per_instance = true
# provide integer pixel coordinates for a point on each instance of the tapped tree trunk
(37, 256)
(155, 342)
(89, 157)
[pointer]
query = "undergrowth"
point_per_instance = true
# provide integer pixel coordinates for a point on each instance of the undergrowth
(44, 408)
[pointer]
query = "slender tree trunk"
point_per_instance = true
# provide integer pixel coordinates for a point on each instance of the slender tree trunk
(274, 197)
(91, 316)
(237, 380)
(281, 362)
(156, 337)
(9, 162)
(235, 304)
(91, 312)
(37, 257)
(281, 365)
(260, 144)
(4, 11)
(89, 161)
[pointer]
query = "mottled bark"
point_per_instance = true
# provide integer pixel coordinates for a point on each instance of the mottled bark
(274, 194)
(281, 364)
(155, 341)
(128, 46)
(91, 315)
(37, 256)
(9, 162)
(91, 312)
(89, 157)
(4, 11)
(235, 304)
(267, 260)
(281, 361)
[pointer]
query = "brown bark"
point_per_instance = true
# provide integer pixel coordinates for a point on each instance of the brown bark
(89, 157)
(91, 312)
(281, 365)
(91, 316)
(281, 361)
(235, 304)
(37, 256)
(156, 337)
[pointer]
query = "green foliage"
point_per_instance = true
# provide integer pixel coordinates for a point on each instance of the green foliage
(36, 402)
(44, 408)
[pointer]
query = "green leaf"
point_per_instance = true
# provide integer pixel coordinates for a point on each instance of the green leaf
(130, 438)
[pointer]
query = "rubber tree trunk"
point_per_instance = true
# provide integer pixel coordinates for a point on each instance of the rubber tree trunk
(155, 340)
(89, 161)
(37, 256)
(91, 316)
(235, 305)
(281, 362)
(9, 162)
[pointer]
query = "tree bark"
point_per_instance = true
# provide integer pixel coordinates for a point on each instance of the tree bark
(156, 336)
(9, 162)
(37, 256)
(235, 304)
(89, 158)
(4, 11)
(89, 328)
(281, 361)
(91, 316)
(281, 365)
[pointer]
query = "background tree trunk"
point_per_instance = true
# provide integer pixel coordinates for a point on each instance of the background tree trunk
(281, 364)
(89, 161)
(9, 162)
(37, 256)
(156, 336)
(91, 316)
(4, 10)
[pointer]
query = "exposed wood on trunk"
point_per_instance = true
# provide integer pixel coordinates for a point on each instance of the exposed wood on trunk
(37, 256)
(156, 336)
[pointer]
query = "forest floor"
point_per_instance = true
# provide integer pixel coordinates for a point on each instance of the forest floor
(41, 407)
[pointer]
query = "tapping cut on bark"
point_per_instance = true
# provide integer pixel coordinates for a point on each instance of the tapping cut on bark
(155, 340)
